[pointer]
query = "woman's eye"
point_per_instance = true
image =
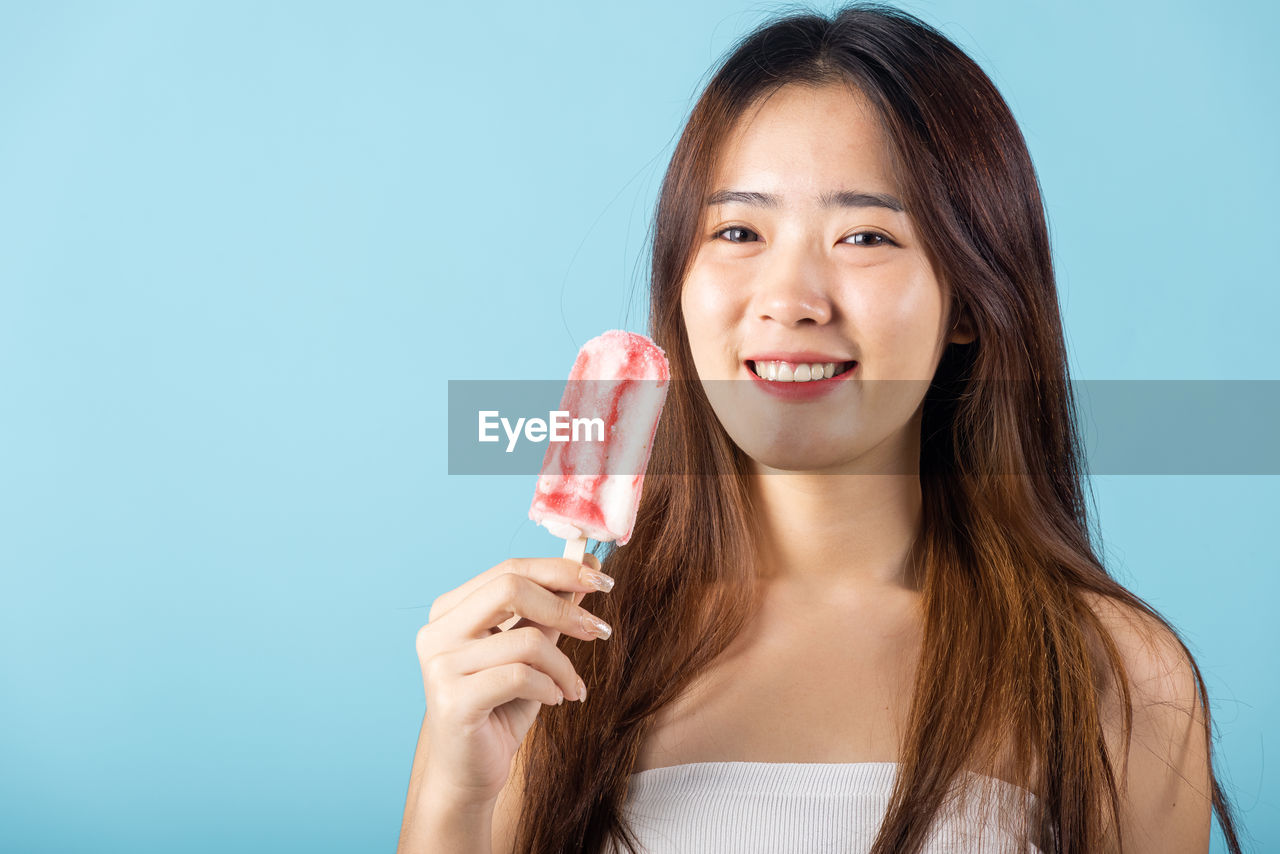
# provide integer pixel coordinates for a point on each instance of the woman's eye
(738, 234)
(872, 238)
(734, 230)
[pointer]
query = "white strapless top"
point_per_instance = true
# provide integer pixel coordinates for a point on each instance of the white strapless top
(802, 807)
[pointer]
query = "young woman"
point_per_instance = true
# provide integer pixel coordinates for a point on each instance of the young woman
(860, 610)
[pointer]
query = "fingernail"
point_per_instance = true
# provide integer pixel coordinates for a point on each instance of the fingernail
(596, 625)
(598, 580)
(582, 690)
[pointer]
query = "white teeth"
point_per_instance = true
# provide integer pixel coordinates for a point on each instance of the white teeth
(791, 372)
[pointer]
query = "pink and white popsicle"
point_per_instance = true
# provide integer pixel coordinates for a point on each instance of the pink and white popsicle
(592, 489)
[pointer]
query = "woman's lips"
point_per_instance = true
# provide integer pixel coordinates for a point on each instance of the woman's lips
(805, 390)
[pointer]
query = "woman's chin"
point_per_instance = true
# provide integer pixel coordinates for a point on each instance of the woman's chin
(819, 457)
(798, 458)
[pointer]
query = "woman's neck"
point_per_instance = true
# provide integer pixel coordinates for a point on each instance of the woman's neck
(824, 533)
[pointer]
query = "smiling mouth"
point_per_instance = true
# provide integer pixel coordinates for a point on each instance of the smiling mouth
(798, 372)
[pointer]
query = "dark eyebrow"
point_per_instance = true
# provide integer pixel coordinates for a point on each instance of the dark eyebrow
(840, 198)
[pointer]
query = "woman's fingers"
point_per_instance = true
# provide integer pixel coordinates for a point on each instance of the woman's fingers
(470, 668)
(507, 596)
(468, 701)
(518, 622)
(498, 685)
(526, 645)
(554, 573)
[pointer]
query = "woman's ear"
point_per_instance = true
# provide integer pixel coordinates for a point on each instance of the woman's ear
(962, 331)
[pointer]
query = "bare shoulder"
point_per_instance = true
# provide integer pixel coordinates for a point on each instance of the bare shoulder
(1164, 773)
(1158, 669)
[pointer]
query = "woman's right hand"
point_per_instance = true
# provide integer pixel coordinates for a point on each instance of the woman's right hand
(485, 684)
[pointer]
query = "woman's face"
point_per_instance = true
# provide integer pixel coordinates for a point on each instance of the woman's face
(807, 258)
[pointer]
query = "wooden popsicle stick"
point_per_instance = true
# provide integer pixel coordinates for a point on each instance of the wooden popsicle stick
(575, 550)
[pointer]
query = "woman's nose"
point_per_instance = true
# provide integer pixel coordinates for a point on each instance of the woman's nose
(793, 289)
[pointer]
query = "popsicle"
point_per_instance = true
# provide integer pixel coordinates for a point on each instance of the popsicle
(592, 488)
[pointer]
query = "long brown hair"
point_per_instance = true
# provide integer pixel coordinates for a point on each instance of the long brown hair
(1004, 544)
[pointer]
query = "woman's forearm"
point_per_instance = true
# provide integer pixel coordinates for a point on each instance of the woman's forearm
(436, 826)
(437, 821)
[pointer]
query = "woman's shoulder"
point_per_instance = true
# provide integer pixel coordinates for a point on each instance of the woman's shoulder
(1162, 768)
(1158, 668)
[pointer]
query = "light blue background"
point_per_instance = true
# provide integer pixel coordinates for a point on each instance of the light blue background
(244, 245)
